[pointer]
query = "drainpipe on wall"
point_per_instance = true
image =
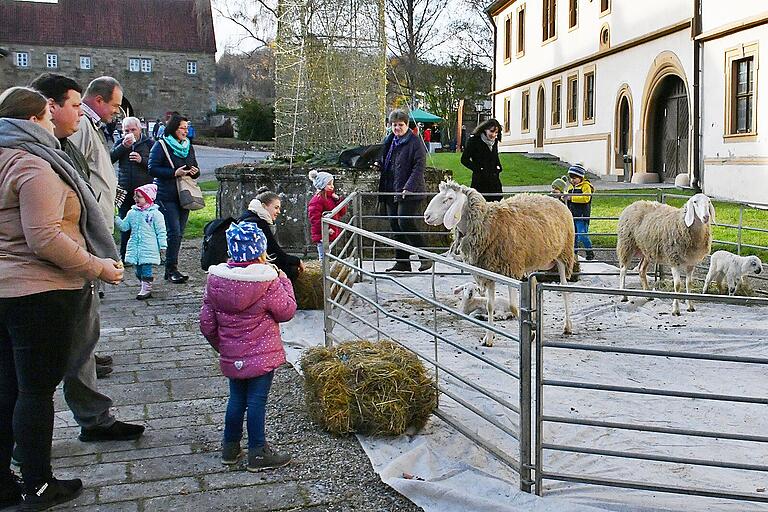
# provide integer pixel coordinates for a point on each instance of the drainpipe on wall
(697, 178)
(493, 66)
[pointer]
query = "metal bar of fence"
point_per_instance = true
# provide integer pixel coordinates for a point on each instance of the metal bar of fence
(525, 322)
(430, 332)
(499, 400)
(725, 299)
(539, 405)
(651, 352)
(643, 486)
(658, 458)
(654, 429)
(471, 434)
(493, 421)
(655, 392)
(442, 306)
(507, 281)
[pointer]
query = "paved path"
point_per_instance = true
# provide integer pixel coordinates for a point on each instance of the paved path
(211, 158)
(167, 377)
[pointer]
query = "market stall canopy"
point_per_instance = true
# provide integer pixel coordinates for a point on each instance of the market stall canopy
(422, 116)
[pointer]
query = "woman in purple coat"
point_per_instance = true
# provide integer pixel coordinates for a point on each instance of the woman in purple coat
(245, 300)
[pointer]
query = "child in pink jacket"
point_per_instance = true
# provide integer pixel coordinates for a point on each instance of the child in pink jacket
(244, 301)
(324, 200)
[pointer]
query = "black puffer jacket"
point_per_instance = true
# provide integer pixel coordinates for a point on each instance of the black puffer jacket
(485, 166)
(284, 261)
(131, 175)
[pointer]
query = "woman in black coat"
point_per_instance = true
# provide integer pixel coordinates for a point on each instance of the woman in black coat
(132, 151)
(481, 156)
(264, 210)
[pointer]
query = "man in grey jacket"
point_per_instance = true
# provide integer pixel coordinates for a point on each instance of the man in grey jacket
(101, 102)
(89, 406)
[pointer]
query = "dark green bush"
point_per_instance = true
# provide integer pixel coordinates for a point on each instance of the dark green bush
(255, 121)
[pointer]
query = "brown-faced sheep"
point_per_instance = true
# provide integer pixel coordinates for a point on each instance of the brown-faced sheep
(514, 237)
(660, 233)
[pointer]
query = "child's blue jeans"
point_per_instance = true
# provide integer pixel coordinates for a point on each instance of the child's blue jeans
(582, 227)
(250, 395)
(144, 272)
(320, 251)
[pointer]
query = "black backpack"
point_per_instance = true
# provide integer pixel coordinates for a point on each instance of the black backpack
(214, 249)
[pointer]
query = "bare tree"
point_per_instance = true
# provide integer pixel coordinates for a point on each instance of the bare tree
(475, 31)
(256, 18)
(413, 31)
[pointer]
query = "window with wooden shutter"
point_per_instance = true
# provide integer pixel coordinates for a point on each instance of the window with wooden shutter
(557, 100)
(549, 20)
(525, 110)
(507, 38)
(573, 13)
(572, 117)
(589, 96)
(521, 31)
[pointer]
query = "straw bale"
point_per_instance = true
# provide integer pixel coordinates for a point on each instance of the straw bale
(372, 388)
(309, 285)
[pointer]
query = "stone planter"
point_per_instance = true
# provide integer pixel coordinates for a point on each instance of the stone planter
(238, 185)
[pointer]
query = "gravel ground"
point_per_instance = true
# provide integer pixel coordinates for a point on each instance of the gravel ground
(334, 466)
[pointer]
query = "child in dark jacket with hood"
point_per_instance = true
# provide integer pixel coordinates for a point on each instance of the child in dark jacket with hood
(245, 300)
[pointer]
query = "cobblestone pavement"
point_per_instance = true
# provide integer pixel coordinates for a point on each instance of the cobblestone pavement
(167, 378)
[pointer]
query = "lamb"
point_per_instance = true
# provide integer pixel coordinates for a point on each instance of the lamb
(660, 233)
(732, 268)
(513, 237)
(473, 300)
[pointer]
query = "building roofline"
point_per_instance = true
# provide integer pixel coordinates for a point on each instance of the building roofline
(498, 6)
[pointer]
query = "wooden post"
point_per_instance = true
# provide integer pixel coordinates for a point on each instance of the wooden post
(459, 121)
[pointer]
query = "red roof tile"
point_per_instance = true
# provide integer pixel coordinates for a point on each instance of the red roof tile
(169, 25)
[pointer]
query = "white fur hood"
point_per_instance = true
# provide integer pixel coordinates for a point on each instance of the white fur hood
(253, 273)
(256, 207)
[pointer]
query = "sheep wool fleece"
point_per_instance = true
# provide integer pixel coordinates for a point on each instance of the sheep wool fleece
(242, 308)
(148, 235)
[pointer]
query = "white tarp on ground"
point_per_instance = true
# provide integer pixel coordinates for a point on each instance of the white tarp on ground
(459, 476)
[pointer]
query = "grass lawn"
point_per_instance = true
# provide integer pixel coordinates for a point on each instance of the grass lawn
(725, 213)
(516, 169)
(209, 186)
(199, 218)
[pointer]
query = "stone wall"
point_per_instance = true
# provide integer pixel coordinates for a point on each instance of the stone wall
(238, 185)
(166, 87)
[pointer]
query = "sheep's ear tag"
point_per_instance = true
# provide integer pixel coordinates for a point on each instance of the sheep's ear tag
(453, 215)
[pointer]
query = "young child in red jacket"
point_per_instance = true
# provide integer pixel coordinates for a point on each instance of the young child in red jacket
(245, 300)
(324, 200)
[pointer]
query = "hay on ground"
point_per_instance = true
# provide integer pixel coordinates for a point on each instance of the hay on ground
(372, 388)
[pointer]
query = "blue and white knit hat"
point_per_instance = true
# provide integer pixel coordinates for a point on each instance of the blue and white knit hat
(321, 179)
(577, 170)
(245, 241)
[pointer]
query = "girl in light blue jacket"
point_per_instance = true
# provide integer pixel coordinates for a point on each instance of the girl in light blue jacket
(148, 238)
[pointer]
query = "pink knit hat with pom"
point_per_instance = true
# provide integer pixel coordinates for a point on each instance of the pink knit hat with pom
(148, 191)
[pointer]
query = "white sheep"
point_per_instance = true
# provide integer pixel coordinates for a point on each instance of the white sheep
(660, 233)
(473, 301)
(513, 237)
(728, 267)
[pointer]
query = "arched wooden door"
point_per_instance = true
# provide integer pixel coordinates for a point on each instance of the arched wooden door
(540, 119)
(671, 128)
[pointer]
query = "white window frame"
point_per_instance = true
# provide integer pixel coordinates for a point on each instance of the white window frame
(146, 65)
(51, 60)
(134, 64)
(191, 67)
(22, 59)
(85, 62)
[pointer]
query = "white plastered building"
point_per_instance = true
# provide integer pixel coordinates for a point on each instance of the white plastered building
(672, 84)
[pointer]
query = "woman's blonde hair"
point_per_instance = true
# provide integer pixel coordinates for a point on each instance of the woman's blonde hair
(22, 103)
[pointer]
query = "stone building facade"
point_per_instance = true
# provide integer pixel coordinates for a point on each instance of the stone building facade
(161, 65)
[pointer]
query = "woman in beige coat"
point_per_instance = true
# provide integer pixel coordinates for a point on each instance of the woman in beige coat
(52, 240)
